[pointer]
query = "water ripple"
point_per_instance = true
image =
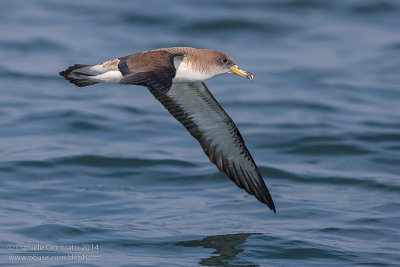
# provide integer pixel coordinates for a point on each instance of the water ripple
(136, 18)
(363, 182)
(35, 45)
(375, 8)
(104, 162)
(236, 25)
(329, 149)
(52, 231)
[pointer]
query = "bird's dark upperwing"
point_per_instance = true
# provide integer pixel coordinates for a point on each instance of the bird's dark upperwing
(194, 106)
(151, 68)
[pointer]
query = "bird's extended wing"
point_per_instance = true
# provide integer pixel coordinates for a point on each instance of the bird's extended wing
(152, 68)
(194, 106)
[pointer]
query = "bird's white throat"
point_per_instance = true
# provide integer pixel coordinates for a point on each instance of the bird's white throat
(186, 73)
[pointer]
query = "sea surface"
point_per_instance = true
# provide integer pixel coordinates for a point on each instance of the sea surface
(104, 176)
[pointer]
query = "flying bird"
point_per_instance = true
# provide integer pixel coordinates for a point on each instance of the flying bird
(175, 76)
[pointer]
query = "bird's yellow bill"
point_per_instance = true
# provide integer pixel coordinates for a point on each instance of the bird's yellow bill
(235, 70)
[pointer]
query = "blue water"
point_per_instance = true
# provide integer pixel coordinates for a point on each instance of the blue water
(105, 171)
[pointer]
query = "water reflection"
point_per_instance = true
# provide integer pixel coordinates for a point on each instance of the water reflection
(225, 248)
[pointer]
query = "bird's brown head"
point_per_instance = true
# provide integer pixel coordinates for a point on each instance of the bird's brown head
(214, 63)
(225, 64)
(204, 64)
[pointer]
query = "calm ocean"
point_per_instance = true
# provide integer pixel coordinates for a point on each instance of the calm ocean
(104, 176)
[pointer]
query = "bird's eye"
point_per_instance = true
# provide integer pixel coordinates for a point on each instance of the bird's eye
(225, 60)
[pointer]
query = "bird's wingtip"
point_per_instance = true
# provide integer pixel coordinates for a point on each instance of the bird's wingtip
(269, 202)
(272, 207)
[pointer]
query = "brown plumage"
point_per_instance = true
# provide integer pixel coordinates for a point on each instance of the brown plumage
(153, 68)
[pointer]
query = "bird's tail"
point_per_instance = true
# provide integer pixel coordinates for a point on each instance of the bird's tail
(78, 75)
(84, 75)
